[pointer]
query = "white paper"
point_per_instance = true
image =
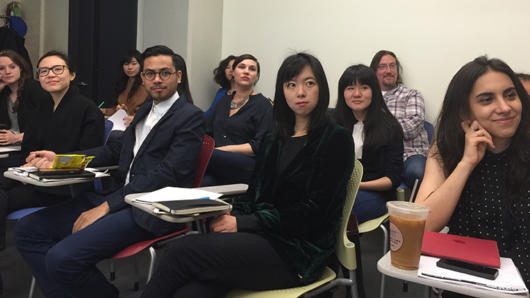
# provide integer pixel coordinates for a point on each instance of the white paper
(117, 119)
(177, 193)
(9, 148)
(508, 281)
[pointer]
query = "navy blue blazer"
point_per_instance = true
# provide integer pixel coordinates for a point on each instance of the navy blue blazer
(167, 157)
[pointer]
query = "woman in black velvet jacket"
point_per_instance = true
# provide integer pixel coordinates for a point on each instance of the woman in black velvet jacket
(285, 229)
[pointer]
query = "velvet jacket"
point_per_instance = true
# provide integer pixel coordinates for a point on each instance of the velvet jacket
(299, 210)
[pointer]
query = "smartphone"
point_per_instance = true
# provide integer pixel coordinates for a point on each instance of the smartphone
(468, 268)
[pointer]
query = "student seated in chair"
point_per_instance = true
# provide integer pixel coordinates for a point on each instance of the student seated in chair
(63, 243)
(477, 179)
(62, 121)
(378, 140)
(283, 232)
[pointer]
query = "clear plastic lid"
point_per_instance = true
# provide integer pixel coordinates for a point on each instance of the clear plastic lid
(407, 209)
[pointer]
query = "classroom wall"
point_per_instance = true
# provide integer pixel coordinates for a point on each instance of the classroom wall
(204, 48)
(55, 25)
(193, 30)
(163, 22)
(432, 39)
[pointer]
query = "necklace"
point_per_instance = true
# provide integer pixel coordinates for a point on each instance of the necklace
(236, 105)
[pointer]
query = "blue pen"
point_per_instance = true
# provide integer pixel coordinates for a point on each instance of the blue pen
(101, 104)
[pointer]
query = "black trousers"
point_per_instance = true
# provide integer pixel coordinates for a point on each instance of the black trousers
(209, 265)
(15, 195)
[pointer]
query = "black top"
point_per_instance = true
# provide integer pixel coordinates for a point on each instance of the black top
(483, 211)
(385, 161)
(31, 95)
(249, 125)
(75, 124)
(290, 149)
(299, 211)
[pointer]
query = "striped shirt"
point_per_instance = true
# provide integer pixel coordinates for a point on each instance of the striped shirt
(409, 109)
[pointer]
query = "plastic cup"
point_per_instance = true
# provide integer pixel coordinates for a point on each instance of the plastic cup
(407, 223)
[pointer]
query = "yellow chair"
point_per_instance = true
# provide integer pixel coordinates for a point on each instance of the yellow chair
(345, 253)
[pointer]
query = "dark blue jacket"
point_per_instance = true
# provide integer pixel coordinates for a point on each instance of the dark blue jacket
(167, 157)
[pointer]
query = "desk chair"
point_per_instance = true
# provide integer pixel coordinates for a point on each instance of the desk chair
(401, 191)
(345, 254)
(208, 145)
(16, 215)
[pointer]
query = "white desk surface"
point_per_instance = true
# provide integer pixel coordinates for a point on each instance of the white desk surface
(384, 266)
(229, 189)
(57, 182)
(7, 149)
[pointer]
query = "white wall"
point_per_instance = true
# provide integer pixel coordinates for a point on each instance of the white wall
(163, 22)
(204, 48)
(432, 39)
(191, 29)
(55, 24)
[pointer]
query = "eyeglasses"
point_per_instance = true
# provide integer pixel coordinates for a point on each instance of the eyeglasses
(151, 75)
(56, 69)
(392, 66)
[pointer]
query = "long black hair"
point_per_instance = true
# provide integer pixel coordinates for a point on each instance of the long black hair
(178, 63)
(121, 85)
(379, 123)
(450, 138)
(219, 75)
(284, 118)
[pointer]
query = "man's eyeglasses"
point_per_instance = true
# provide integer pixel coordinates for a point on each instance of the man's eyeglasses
(164, 74)
(392, 66)
(56, 69)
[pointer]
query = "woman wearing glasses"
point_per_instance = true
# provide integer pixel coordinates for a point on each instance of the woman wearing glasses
(129, 90)
(238, 123)
(64, 122)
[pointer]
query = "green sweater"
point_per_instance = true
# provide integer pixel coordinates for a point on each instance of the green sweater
(299, 211)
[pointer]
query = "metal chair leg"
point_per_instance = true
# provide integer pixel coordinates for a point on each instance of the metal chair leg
(136, 284)
(353, 288)
(112, 270)
(152, 259)
(32, 287)
(385, 249)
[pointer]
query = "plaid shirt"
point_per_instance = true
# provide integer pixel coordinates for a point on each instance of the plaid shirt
(409, 109)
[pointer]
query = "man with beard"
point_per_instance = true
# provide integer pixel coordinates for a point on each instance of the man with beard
(63, 243)
(408, 107)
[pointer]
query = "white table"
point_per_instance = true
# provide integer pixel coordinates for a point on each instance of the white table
(230, 189)
(384, 266)
(47, 183)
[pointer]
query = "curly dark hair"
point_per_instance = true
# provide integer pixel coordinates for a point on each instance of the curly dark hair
(219, 72)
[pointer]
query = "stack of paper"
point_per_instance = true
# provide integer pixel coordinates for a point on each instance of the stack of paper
(508, 281)
(177, 193)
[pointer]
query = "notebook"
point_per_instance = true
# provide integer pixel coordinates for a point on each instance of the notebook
(39, 175)
(191, 207)
(466, 249)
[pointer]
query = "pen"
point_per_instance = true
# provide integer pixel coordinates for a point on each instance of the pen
(101, 104)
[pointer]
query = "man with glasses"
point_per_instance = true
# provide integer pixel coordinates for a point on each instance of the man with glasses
(408, 107)
(63, 243)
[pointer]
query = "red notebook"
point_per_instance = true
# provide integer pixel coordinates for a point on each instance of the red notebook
(466, 249)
